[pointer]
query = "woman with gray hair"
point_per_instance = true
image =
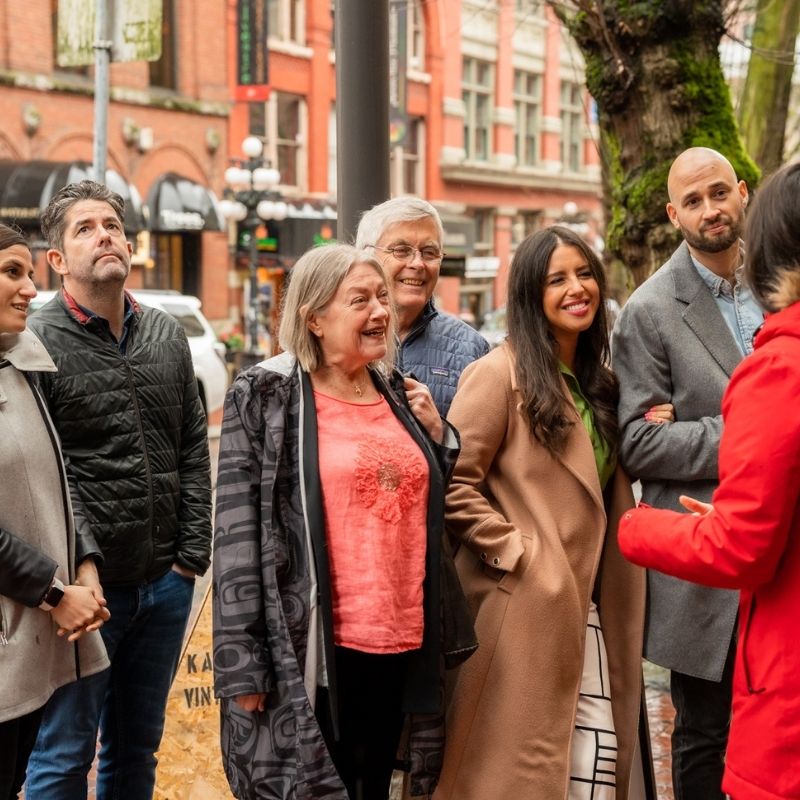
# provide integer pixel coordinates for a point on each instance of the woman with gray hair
(327, 556)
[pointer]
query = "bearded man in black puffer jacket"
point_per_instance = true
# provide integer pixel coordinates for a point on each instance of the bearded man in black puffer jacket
(125, 404)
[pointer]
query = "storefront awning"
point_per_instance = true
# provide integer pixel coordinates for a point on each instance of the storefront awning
(27, 187)
(180, 204)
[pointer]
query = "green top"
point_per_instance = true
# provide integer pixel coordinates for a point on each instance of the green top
(605, 462)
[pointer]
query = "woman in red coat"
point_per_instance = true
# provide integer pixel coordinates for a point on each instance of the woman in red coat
(749, 537)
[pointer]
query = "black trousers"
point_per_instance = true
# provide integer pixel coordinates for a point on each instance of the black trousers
(370, 690)
(17, 737)
(700, 735)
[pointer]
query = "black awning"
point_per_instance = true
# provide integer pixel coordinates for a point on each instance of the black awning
(27, 187)
(180, 204)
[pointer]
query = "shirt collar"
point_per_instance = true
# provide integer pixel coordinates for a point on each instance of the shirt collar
(85, 315)
(717, 285)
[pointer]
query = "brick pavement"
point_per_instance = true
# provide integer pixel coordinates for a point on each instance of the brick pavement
(660, 714)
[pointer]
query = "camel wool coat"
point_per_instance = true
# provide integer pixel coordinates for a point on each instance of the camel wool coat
(536, 540)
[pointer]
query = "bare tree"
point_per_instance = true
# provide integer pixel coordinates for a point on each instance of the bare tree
(654, 71)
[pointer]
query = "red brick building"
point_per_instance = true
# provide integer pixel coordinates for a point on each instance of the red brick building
(167, 140)
(498, 136)
(498, 131)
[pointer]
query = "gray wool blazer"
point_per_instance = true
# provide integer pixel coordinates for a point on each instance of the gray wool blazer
(671, 345)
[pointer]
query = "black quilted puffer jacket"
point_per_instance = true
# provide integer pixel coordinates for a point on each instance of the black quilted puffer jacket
(133, 434)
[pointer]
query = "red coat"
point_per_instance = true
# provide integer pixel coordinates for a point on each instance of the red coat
(750, 541)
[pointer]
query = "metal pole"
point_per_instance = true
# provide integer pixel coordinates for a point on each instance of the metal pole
(102, 58)
(253, 221)
(362, 109)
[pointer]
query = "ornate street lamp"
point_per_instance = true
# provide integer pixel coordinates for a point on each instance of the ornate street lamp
(250, 198)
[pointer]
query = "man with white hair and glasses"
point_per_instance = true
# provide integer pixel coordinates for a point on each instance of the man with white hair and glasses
(406, 236)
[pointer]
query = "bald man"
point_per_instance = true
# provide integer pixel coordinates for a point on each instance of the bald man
(677, 340)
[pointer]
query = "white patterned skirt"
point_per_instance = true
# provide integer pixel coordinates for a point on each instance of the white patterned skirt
(594, 742)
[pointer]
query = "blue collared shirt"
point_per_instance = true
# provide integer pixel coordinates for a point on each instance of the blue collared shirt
(739, 309)
(122, 342)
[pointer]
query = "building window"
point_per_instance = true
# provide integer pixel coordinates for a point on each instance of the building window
(164, 72)
(286, 20)
(527, 105)
(407, 160)
(415, 25)
(257, 119)
(476, 92)
(286, 127)
(525, 223)
(484, 231)
(571, 126)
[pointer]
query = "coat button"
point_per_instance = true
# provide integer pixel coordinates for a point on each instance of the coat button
(483, 556)
(495, 561)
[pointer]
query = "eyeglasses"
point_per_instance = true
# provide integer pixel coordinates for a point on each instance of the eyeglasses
(405, 253)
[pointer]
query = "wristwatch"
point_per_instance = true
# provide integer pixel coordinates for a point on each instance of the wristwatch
(52, 597)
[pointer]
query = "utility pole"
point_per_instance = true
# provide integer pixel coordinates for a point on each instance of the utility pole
(362, 109)
(102, 59)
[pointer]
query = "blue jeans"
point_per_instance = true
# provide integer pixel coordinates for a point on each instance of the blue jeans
(143, 638)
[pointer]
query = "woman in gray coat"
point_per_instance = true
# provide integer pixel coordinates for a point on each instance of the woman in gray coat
(41, 612)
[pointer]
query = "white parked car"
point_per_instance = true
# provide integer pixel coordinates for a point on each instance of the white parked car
(208, 353)
(494, 327)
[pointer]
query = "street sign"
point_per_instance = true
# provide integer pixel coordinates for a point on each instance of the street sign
(135, 31)
(398, 121)
(252, 64)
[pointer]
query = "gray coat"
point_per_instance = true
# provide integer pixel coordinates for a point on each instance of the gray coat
(37, 540)
(671, 345)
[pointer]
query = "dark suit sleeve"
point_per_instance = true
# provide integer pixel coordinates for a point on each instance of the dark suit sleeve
(25, 572)
(685, 450)
(193, 545)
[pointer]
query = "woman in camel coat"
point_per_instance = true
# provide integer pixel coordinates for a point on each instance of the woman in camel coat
(538, 556)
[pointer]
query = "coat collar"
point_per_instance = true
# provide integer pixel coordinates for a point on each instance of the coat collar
(25, 352)
(701, 313)
(577, 456)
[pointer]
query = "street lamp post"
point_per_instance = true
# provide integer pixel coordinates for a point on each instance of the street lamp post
(250, 198)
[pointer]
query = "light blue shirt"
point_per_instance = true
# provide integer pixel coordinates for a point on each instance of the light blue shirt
(742, 314)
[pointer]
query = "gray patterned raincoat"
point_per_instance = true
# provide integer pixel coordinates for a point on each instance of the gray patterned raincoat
(272, 606)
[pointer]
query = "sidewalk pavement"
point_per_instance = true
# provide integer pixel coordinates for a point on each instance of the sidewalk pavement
(660, 714)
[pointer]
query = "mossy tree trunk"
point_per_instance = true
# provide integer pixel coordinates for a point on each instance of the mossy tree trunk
(654, 71)
(764, 106)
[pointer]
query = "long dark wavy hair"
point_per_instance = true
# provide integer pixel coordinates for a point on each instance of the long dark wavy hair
(536, 350)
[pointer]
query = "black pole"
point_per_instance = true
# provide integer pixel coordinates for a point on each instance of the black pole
(362, 109)
(252, 220)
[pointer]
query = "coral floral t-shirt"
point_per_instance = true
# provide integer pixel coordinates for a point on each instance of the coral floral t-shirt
(375, 493)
